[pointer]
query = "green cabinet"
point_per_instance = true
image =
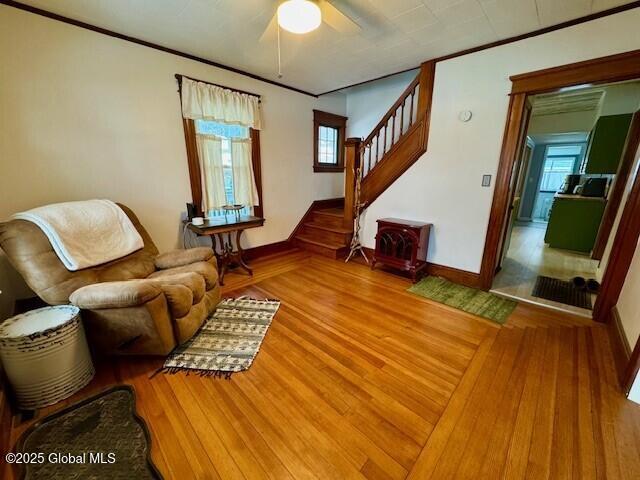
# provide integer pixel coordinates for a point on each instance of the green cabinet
(574, 223)
(607, 143)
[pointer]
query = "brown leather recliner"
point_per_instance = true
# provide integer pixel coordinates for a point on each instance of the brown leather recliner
(140, 304)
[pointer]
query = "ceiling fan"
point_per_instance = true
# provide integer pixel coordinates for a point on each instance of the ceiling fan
(304, 16)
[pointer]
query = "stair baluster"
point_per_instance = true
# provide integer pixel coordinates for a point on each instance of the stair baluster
(398, 151)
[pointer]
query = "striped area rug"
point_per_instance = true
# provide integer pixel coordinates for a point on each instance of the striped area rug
(229, 340)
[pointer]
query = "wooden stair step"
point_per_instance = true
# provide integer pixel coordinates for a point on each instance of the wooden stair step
(336, 212)
(326, 233)
(330, 217)
(330, 228)
(327, 249)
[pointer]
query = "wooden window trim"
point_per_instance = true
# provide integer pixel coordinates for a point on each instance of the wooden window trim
(326, 119)
(195, 175)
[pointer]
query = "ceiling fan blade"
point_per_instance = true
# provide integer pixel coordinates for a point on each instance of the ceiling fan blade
(336, 19)
(271, 31)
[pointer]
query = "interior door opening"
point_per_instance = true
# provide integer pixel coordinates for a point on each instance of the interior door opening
(572, 151)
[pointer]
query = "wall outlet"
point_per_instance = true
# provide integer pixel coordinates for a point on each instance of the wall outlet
(486, 180)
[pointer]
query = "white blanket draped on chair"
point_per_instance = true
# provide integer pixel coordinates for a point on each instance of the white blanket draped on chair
(86, 233)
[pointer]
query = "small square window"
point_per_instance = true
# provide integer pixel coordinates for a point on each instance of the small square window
(329, 133)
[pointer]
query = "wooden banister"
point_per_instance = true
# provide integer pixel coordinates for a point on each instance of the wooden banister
(408, 91)
(352, 163)
(427, 76)
(406, 144)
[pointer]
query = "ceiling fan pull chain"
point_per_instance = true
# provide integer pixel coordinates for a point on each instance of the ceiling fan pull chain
(279, 60)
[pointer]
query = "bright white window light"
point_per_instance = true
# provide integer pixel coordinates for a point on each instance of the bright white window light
(299, 16)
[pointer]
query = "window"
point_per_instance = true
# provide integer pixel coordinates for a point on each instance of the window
(226, 133)
(223, 155)
(327, 145)
(560, 161)
(328, 141)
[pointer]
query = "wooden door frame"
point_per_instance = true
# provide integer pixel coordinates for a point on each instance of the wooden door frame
(613, 68)
(520, 149)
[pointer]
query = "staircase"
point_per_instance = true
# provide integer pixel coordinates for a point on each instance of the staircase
(322, 231)
(397, 142)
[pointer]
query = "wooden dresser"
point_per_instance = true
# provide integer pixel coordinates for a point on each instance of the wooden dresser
(402, 244)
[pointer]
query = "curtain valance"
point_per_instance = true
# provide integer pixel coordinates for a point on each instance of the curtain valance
(203, 101)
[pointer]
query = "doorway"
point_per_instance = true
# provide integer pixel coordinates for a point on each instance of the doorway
(594, 73)
(574, 149)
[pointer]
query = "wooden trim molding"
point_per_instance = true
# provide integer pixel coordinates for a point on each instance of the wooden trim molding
(87, 26)
(266, 250)
(110, 33)
(455, 275)
(600, 70)
(193, 164)
(619, 345)
(612, 68)
(619, 186)
(500, 205)
(256, 162)
(331, 120)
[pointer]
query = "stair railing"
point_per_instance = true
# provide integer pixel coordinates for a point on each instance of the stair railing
(407, 117)
(395, 123)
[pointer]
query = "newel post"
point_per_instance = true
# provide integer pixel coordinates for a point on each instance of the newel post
(352, 163)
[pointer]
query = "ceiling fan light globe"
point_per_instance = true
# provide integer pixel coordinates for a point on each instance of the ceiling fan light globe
(299, 16)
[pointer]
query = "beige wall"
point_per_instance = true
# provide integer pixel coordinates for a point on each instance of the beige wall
(444, 186)
(83, 115)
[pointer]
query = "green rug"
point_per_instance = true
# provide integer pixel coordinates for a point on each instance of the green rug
(470, 300)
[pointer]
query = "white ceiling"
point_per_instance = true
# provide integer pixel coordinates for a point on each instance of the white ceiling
(567, 102)
(395, 35)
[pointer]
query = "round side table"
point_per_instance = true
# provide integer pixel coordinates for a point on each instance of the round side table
(45, 355)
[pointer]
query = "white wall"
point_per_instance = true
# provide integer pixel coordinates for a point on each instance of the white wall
(84, 115)
(368, 103)
(444, 186)
(629, 303)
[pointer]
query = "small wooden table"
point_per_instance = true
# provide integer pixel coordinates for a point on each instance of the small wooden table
(217, 228)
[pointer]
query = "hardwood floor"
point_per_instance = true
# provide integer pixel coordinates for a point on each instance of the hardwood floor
(529, 256)
(358, 378)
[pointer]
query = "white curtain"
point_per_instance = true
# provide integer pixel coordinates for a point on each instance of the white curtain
(244, 182)
(212, 171)
(203, 101)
